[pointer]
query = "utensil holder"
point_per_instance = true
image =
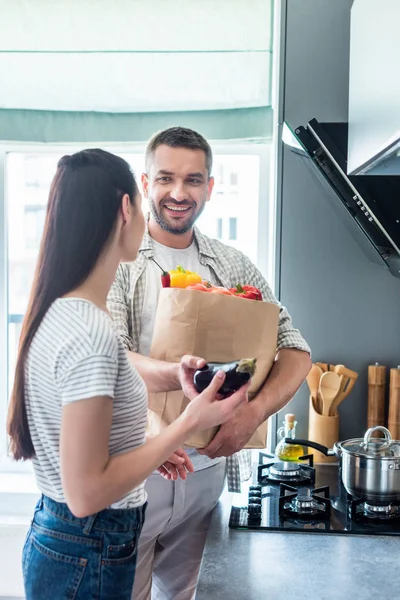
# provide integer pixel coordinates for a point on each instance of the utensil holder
(323, 430)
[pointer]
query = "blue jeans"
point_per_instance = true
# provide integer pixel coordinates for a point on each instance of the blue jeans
(66, 558)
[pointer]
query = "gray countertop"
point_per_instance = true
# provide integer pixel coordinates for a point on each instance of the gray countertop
(250, 565)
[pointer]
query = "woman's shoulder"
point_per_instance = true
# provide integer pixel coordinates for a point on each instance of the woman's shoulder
(87, 330)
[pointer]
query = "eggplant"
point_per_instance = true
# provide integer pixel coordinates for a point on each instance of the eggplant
(237, 374)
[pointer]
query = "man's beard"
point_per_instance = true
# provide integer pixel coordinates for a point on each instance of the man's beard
(171, 228)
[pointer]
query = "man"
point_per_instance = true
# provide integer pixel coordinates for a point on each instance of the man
(177, 184)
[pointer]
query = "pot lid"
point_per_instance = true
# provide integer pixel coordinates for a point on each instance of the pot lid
(374, 447)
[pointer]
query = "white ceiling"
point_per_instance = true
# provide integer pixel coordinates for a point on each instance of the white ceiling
(134, 55)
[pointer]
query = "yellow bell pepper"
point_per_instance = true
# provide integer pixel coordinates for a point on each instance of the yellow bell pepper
(180, 278)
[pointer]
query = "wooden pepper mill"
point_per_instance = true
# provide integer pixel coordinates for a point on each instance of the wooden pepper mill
(394, 404)
(376, 395)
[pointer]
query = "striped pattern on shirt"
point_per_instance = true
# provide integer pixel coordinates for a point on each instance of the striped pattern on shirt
(77, 354)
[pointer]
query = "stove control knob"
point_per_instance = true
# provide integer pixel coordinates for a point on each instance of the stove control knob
(254, 500)
(254, 509)
(254, 521)
(255, 488)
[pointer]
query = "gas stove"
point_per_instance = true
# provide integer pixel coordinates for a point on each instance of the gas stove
(270, 471)
(308, 498)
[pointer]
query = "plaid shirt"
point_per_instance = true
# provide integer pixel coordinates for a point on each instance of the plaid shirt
(227, 266)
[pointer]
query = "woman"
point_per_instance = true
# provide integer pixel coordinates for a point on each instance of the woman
(78, 407)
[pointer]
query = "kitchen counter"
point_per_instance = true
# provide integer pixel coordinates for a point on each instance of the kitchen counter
(252, 565)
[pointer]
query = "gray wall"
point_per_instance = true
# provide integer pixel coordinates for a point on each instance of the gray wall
(347, 308)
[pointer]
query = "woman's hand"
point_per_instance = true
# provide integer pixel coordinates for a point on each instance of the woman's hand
(187, 368)
(177, 465)
(207, 409)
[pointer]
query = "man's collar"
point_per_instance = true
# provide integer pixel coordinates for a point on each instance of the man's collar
(201, 241)
(147, 243)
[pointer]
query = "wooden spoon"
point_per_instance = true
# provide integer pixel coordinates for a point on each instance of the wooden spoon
(313, 379)
(329, 386)
(348, 379)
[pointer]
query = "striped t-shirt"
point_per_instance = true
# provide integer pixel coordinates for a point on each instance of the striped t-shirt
(77, 354)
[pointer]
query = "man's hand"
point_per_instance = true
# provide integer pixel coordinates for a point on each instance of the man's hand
(177, 465)
(234, 434)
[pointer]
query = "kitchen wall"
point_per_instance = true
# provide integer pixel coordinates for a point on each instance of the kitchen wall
(347, 308)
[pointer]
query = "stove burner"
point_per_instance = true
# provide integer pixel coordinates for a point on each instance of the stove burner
(285, 471)
(315, 505)
(365, 512)
(307, 458)
(304, 503)
(377, 509)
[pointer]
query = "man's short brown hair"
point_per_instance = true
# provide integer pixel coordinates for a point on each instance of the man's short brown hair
(180, 137)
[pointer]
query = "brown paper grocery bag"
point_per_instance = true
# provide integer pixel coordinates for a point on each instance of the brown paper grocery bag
(217, 328)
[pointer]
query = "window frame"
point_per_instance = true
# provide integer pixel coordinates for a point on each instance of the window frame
(264, 247)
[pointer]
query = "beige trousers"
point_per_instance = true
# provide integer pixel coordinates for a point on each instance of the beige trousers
(173, 537)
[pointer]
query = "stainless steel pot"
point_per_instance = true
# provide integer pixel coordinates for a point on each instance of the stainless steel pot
(370, 466)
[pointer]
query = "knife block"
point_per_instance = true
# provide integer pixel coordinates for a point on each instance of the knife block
(323, 430)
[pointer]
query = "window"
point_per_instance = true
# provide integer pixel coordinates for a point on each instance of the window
(31, 172)
(219, 228)
(234, 209)
(33, 225)
(234, 178)
(218, 170)
(226, 229)
(239, 201)
(232, 228)
(38, 173)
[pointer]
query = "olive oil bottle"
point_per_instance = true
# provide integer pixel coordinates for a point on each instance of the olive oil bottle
(283, 451)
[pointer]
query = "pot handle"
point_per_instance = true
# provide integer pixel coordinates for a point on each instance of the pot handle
(315, 445)
(385, 431)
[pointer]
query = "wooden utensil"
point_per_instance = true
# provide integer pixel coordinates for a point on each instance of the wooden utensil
(325, 367)
(342, 370)
(348, 379)
(394, 404)
(329, 386)
(313, 378)
(376, 395)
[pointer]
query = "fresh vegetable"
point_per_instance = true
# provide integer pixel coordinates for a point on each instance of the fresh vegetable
(212, 289)
(180, 278)
(246, 291)
(165, 277)
(242, 291)
(237, 374)
(220, 290)
(200, 287)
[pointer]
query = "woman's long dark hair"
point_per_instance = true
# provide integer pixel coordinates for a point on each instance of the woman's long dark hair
(84, 200)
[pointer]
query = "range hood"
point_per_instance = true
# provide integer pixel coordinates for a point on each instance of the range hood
(374, 88)
(370, 203)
